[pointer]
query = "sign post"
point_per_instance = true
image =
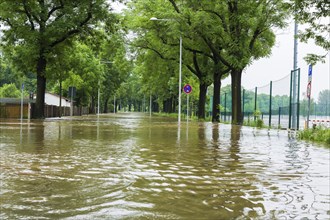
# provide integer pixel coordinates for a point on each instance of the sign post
(72, 94)
(22, 95)
(187, 89)
(309, 90)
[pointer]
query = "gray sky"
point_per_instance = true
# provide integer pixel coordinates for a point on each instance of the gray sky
(280, 64)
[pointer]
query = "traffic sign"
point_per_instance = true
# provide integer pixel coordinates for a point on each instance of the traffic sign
(187, 89)
(310, 68)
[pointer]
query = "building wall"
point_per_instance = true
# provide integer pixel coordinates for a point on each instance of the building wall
(51, 99)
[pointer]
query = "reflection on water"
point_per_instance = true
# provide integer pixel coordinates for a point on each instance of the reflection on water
(128, 166)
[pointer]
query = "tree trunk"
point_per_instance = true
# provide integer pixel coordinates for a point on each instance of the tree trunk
(41, 88)
(216, 97)
(105, 108)
(202, 100)
(236, 77)
(92, 106)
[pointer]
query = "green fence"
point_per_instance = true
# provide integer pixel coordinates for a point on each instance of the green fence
(276, 103)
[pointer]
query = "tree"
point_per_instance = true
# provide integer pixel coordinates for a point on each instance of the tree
(117, 66)
(162, 38)
(9, 91)
(324, 102)
(245, 35)
(314, 14)
(236, 33)
(34, 29)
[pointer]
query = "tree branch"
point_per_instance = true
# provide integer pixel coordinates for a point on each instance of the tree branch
(222, 19)
(195, 62)
(61, 6)
(26, 11)
(191, 69)
(175, 6)
(75, 30)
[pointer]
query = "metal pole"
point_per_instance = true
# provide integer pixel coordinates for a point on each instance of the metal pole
(298, 96)
(308, 112)
(279, 117)
(22, 102)
(290, 100)
(98, 99)
(270, 103)
(294, 78)
(180, 79)
(255, 102)
(187, 107)
(60, 109)
(225, 106)
(243, 104)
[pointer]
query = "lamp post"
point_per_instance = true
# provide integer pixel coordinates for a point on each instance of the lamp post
(180, 67)
(98, 99)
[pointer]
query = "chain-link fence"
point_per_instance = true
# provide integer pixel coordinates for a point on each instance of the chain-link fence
(276, 104)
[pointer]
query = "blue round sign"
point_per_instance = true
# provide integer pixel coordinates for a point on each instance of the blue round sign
(187, 89)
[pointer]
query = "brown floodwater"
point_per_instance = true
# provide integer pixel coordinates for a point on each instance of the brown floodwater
(130, 166)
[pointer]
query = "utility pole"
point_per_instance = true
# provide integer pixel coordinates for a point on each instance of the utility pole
(294, 78)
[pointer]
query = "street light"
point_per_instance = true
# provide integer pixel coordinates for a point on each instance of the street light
(180, 67)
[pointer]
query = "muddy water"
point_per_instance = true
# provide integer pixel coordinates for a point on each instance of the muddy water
(132, 167)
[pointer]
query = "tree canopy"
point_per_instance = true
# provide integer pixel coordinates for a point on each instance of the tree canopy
(35, 30)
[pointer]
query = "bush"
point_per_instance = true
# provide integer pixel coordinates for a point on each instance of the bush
(259, 123)
(318, 134)
(9, 91)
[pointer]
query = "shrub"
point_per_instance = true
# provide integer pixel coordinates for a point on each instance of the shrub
(318, 134)
(9, 91)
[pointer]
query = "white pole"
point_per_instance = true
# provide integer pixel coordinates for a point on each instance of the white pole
(295, 80)
(187, 107)
(22, 103)
(180, 78)
(98, 100)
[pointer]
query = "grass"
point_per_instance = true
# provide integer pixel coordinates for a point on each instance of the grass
(319, 134)
(259, 123)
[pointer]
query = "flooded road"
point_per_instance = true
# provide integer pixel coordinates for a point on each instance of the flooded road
(127, 166)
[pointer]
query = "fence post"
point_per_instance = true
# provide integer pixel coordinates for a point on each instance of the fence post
(255, 102)
(225, 105)
(243, 105)
(298, 103)
(279, 117)
(290, 100)
(270, 104)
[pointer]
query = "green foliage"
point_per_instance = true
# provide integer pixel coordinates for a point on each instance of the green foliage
(318, 134)
(314, 15)
(34, 33)
(257, 113)
(258, 123)
(9, 91)
(324, 97)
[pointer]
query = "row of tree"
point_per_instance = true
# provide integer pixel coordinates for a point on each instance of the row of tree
(131, 56)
